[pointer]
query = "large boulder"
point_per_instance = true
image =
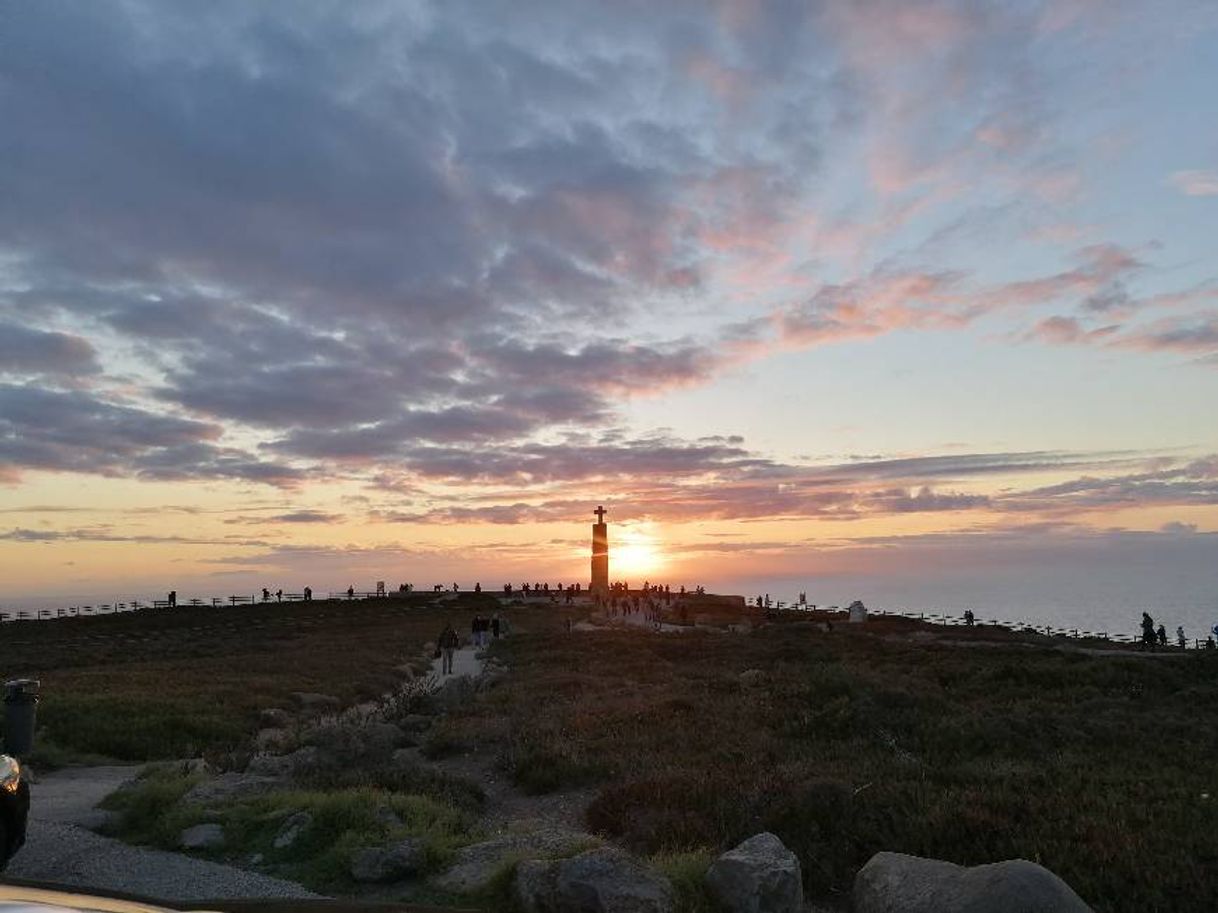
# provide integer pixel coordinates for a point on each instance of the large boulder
(391, 863)
(474, 866)
(604, 880)
(896, 883)
(758, 876)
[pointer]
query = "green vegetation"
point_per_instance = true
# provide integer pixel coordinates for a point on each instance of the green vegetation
(867, 740)
(687, 872)
(343, 820)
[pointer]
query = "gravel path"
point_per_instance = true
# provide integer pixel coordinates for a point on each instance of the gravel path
(465, 662)
(61, 850)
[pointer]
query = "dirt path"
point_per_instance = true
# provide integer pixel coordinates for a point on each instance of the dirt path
(61, 850)
(506, 808)
(465, 662)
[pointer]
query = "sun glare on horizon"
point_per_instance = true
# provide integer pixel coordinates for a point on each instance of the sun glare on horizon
(636, 555)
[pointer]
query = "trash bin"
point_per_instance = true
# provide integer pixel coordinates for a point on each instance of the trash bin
(20, 714)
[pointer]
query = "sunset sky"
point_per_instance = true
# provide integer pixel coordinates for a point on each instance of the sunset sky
(325, 293)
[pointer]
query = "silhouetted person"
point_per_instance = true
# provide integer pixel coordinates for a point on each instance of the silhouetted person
(351, 592)
(308, 594)
(1180, 637)
(447, 643)
(279, 595)
(1148, 631)
(173, 599)
(1162, 635)
(266, 595)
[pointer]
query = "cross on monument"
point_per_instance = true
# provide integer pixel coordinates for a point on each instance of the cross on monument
(600, 552)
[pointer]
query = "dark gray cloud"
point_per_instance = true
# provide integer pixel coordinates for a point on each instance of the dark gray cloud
(24, 350)
(73, 431)
(440, 244)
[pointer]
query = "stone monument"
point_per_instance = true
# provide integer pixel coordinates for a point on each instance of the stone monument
(600, 553)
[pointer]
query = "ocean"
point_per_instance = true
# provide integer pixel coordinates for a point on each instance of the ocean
(1112, 602)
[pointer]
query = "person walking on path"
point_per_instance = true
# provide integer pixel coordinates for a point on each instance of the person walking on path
(1148, 631)
(448, 642)
(1180, 636)
(1162, 634)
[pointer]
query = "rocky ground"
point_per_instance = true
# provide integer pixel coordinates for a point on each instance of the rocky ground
(62, 849)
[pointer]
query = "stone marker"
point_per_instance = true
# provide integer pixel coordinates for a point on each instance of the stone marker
(759, 876)
(896, 883)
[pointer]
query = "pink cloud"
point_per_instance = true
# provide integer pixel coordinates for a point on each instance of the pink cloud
(1196, 183)
(1067, 330)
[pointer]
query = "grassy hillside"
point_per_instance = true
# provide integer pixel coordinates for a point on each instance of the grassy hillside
(163, 684)
(843, 744)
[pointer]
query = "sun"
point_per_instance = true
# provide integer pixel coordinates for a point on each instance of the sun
(636, 556)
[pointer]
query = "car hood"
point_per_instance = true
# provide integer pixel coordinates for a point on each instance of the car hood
(15, 899)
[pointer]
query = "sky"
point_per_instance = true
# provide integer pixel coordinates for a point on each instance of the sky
(319, 293)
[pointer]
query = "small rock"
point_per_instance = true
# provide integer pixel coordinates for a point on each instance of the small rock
(911, 884)
(274, 718)
(299, 763)
(383, 864)
(604, 880)
(201, 837)
(231, 786)
(276, 740)
(196, 766)
(291, 830)
(758, 876)
(752, 678)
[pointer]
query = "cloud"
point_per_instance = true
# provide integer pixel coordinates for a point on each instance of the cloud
(1196, 183)
(296, 516)
(72, 431)
(25, 350)
(442, 247)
